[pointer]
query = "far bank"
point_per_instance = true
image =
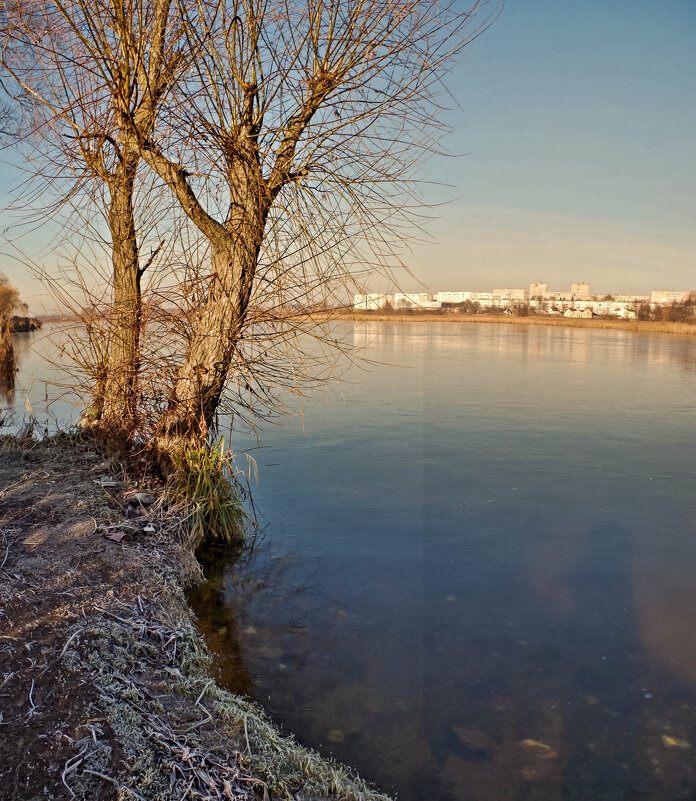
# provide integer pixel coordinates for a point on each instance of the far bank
(639, 326)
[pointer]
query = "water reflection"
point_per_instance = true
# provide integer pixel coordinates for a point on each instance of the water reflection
(570, 345)
(8, 367)
(42, 391)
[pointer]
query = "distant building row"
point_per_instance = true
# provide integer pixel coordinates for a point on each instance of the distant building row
(538, 296)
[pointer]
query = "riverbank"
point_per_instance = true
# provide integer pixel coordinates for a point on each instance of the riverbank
(107, 690)
(642, 326)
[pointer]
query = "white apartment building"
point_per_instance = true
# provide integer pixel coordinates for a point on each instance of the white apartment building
(558, 295)
(578, 300)
(455, 297)
(662, 297)
(578, 290)
(413, 300)
(511, 294)
(370, 302)
(635, 299)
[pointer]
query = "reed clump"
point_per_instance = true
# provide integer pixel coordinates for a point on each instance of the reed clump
(204, 493)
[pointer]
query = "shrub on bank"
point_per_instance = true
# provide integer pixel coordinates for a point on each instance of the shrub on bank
(204, 488)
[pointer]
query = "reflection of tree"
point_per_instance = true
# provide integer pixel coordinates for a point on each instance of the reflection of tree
(9, 303)
(8, 366)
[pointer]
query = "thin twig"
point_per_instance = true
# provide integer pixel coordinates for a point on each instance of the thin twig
(122, 787)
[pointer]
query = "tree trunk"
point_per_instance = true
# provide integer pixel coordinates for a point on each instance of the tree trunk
(201, 380)
(235, 246)
(119, 410)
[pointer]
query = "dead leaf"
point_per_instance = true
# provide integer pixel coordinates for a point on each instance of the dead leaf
(117, 535)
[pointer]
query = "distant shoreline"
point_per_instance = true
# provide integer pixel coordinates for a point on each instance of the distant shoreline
(638, 326)
(642, 326)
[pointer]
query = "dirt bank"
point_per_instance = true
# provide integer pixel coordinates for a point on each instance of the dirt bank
(106, 689)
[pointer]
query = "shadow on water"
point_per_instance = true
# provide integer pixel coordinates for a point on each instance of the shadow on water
(217, 619)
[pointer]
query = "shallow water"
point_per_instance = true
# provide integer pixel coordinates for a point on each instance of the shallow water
(478, 579)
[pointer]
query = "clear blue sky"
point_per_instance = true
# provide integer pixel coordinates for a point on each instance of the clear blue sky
(578, 121)
(578, 118)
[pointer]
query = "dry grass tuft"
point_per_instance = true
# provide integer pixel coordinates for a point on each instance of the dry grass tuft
(203, 494)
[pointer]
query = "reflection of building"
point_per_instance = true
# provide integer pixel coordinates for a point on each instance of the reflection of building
(580, 290)
(663, 296)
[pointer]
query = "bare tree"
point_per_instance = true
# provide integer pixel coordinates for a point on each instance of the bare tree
(81, 68)
(290, 136)
(313, 117)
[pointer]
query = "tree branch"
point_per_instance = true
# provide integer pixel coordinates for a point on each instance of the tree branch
(321, 86)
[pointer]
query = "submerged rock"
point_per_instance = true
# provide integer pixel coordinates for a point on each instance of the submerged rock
(336, 736)
(540, 750)
(477, 744)
(675, 742)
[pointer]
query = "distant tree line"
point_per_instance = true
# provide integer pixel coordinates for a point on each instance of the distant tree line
(676, 312)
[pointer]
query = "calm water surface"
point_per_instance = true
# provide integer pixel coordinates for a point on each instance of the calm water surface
(41, 395)
(479, 576)
(478, 579)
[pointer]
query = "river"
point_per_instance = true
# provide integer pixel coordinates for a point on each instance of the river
(477, 579)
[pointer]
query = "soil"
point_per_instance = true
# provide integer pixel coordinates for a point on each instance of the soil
(105, 684)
